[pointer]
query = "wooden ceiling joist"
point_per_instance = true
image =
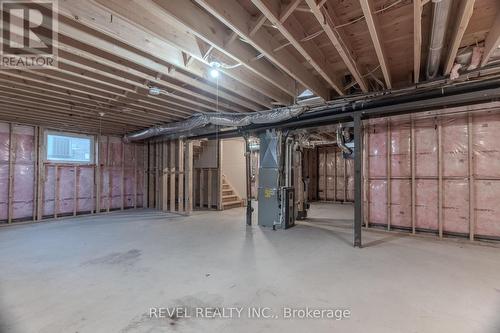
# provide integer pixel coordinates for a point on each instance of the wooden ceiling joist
(236, 17)
(189, 22)
(288, 10)
(111, 52)
(417, 39)
(71, 124)
(53, 84)
(293, 32)
(374, 29)
(97, 17)
(138, 59)
(464, 14)
(492, 42)
(324, 20)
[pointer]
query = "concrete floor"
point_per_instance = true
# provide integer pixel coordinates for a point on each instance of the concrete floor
(104, 273)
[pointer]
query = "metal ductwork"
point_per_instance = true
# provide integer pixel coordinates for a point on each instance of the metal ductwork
(441, 13)
(200, 120)
(347, 152)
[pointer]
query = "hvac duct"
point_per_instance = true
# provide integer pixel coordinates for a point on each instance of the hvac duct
(441, 11)
(200, 120)
(341, 141)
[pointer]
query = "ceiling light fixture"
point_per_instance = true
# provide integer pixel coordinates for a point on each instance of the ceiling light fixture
(155, 91)
(214, 71)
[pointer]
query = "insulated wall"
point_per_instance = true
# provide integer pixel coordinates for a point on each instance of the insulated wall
(435, 173)
(335, 175)
(32, 188)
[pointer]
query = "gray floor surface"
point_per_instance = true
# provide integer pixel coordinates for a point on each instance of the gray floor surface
(104, 274)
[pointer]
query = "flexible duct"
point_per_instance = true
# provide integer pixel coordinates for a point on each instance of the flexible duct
(341, 142)
(200, 120)
(441, 11)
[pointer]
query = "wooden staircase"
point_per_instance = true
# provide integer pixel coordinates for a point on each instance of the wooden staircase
(229, 197)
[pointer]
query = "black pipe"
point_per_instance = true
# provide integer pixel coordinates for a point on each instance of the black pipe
(389, 105)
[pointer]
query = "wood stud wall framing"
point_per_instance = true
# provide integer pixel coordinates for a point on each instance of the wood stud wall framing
(340, 184)
(413, 178)
(41, 169)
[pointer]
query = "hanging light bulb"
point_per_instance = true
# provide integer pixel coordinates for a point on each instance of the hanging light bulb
(214, 71)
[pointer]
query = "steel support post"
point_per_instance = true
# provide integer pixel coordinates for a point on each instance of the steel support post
(248, 175)
(358, 166)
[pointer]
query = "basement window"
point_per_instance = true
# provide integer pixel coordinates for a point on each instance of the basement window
(69, 147)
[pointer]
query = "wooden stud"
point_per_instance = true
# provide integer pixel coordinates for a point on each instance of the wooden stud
(135, 175)
(56, 190)
(324, 152)
(366, 174)
(151, 175)
(122, 176)
(110, 178)
(440, 177)
(180, 182)
(472, 197)
(75, 189)
(12, 158)
(209, 188)
(145, 175)
(97, 173)
(188, 177)
(413, 175)
(417, 39)
(335, 175)
(220, 175)
(344, 174)
(41, 174)
(389, 175)
(173, 196)
(201, 189)
(165, 173)
(156, 190)
(36, 147)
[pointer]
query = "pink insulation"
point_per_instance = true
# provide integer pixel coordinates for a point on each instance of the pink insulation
(4, 170)
(339, 186)
(455, 130)
(122, 173)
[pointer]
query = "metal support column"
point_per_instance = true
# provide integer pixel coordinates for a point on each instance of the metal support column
(248, 175)
(358, 166)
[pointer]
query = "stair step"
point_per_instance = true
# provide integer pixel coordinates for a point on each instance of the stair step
(229, 198)
(232, 203)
